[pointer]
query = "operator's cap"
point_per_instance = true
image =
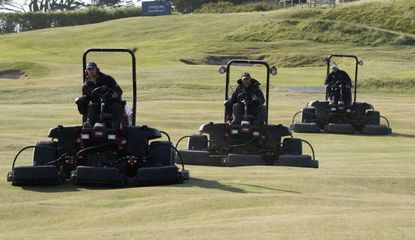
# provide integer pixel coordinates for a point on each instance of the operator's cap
(91, 65)
(334, 65)
(245, 75)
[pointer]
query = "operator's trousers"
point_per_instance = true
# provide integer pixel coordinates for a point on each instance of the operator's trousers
(335, 96)
(114, 108)
(257, 111)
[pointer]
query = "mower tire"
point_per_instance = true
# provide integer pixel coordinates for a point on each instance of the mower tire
(44, 152)
(373, 117)
(292, 146)
(198, 143)
(308, 115)
(161, 152)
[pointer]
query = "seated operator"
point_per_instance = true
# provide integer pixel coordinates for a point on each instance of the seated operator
(89, 104)
(338, 86)
(247, 92)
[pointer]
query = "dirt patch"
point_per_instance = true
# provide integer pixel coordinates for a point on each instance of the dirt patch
(12, 74)
(188, 61)
(220, 60)
(211, 60)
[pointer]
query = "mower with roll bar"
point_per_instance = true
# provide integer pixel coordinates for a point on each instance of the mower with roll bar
(102, 155)
(249, 143)
(340, 117)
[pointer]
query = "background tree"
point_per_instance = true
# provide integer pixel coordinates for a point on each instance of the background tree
(54, 5)
(11, 6)
(106, 3)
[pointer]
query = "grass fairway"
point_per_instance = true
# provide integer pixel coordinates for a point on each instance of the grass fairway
(364, 188)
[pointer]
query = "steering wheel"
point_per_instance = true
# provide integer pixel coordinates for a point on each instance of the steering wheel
(245, 98)
(102, 92)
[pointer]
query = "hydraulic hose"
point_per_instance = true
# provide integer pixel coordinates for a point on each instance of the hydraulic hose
(292, 122)
(387, 121)
(167, 135)
(34, 146)
(312, 149)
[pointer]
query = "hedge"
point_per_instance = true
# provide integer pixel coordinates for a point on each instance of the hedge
(20, 22)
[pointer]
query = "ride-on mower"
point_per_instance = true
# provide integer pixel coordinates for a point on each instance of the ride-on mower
(102, 155)
(340, 116)
(248, 143)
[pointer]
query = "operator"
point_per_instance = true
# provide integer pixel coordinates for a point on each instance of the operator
(254, 98)
(89, 104)
(333, 81)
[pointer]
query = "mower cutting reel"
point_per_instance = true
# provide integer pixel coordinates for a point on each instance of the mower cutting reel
(102, 155)
(339, 117)
(246, 144)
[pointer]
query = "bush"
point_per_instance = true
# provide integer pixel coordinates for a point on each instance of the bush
(228, 7)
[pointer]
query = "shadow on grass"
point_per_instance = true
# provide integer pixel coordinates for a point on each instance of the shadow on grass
(404, 135)
(67, 187)
(211, 184)
(193, 182)
(267, 188)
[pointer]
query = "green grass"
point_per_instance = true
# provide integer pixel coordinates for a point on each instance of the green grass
(364, 188)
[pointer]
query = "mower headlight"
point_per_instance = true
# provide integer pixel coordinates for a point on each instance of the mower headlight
(84, 136)
(348, 110)
(234, 131)
(255, 133)
(111, 136)
(333, 109)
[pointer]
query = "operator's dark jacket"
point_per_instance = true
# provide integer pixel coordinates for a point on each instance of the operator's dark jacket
(253, 89)
(102, 80)
(339, 75)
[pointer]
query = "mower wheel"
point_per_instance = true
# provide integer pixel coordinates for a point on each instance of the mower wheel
(305, 127)
(197, 142)
(161, 152)
(151, 176)
(236, 160)
(341, 128)
(35, 175)
(195, 158)
(373, 117)
(296, 161)
(371, 129)
(308, 115)
(292, 146)
(44, 152)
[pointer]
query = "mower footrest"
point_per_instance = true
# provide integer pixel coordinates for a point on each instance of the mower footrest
(305, 127)
(342, 128)
(151, 176)
(194, 157)
(96, 175)
(34, 175)
(235, 160)
(371, 129)
(296, 161)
